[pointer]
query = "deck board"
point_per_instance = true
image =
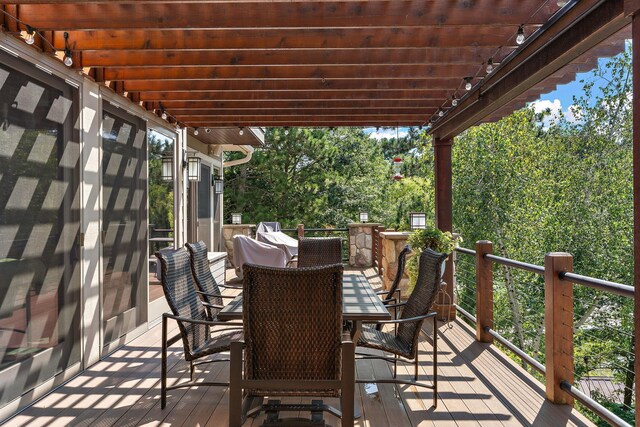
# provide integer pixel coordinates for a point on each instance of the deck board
(478, 385)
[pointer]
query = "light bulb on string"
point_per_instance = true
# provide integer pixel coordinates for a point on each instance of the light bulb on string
(467, 83)
(196, 131)
(454, 102)
(520, 38)
(241, 131)
(207, 130)
(68, 60)
(164, 115)
(489, 65)
(286, 131)
(30, 38)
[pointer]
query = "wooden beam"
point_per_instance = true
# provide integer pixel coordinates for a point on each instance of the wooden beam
(302, 38)
(295, 104)
(357, 72)
(309, 122)
(427, 95)
(584, 26)
(393, 13)
(300, 111)
(376, 56)
(258, 85)
(266, 116)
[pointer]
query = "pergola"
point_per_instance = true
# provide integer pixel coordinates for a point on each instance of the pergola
(235, 64)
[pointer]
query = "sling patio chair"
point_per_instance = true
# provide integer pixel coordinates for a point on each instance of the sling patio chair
(403, 341)
(394, 294)
(193, 324)
(318, 251)
(294, 347)
(207, 287)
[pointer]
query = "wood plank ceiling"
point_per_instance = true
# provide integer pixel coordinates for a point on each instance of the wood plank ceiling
(286, 63)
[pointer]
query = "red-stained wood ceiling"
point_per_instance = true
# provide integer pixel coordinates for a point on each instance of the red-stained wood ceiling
(298, 63)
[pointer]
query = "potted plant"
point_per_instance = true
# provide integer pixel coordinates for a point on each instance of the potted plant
(429, 237)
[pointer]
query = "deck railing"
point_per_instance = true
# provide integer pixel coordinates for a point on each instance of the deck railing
(556, 327)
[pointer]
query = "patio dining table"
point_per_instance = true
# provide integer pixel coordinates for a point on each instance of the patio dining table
(359, 304)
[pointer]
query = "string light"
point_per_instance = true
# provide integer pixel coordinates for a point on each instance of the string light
(68, 55)
(30, 38)
(196, 131)
(520, 37)
(440, 113)
(489, 66)
(454, 102)
(207, 130)
(241, 131)
(164, 115)
(467, 83)
(286, 130)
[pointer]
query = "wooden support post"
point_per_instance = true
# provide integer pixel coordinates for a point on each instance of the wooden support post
(300, 231)
(484, 291)
(444, 220)
(633, 8)
(558, 318)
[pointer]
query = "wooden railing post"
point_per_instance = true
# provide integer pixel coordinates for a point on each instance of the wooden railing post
(300, 231)
(379, 254)
(558, 318)
(484, 291)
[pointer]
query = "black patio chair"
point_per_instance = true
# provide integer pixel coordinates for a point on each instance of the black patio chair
(319, 251)
(394, 294)
(207, 287)
(193, 324)
(403, 342)
(294, 347)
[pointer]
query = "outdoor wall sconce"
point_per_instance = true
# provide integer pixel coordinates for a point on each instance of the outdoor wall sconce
(218, 184)
(236, 218)
(193, 165)
(417, 220)
(364, 217)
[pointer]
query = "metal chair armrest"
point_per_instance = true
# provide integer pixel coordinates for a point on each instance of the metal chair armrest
(231, 286)
(400, 304)
(198, 321)
(215, 295)
(410, 319)
(206, 304)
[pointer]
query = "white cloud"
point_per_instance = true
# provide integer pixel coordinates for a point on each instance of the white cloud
(571, 113)
(386, 133)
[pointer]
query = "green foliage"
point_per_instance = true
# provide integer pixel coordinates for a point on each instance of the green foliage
(160, 192)
(421, 239)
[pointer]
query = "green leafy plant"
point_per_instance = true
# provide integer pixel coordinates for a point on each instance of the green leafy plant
(430, 237)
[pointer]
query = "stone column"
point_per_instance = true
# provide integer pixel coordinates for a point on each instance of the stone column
(392, 244)
(231, 230)
(361, 244)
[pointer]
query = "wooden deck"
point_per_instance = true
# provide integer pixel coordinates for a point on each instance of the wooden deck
(479, 386)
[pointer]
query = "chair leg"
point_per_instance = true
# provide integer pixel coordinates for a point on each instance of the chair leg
(395, 366)
(163, 367)
(415, 365)
(435, 362)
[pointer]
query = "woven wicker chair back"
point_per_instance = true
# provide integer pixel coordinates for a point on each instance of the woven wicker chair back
(402, 260)
(180, 292)
(201, 272)
(318, 251)
(422, 296)
(292, 325)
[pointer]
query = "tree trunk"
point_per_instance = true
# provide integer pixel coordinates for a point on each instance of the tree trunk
(629, 377)
(513, 302)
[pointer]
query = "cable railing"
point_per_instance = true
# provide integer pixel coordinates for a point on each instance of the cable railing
(597, 367)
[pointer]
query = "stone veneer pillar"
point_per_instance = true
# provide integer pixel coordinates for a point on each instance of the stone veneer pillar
(228, 233)
(361, 244)
(392, 244)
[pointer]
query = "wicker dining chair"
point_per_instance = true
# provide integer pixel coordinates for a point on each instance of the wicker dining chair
(207, 287)
(403, 341)
(193, 324)
(294, 347)
(318, 251)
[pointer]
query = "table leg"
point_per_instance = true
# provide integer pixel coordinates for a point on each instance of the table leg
(355, 335)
